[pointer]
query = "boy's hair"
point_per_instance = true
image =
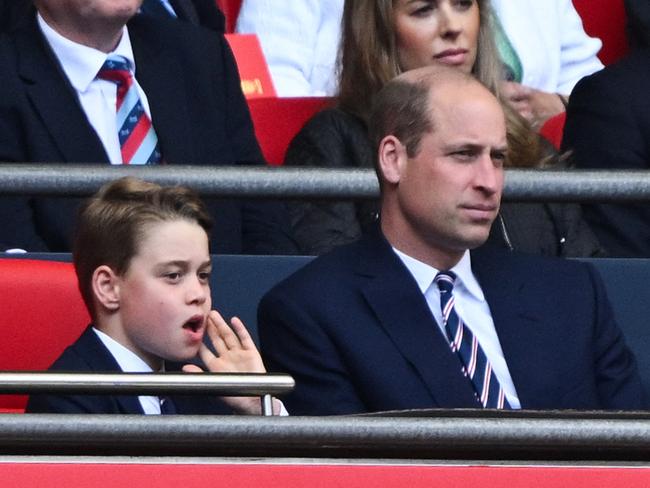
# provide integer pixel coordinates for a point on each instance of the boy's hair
(111, 224)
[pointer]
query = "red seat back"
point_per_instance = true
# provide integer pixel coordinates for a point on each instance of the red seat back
(230, 9)
(42, 313)
(553, 129)
(278, 120)
(605, 19)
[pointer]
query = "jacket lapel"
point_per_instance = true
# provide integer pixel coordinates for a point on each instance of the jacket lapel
(517, 320)
(54, 99)
(162, 79)
(403, 313)
(95, 353)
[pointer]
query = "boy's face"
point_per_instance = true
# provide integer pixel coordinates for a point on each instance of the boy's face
(165, 294)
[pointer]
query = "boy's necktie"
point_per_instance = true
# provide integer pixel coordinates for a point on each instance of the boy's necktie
(474, 362)
(138, 140)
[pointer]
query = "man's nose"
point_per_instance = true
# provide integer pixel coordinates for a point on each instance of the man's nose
(488, 176)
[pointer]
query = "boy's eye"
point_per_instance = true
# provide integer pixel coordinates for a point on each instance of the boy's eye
(204, 276)
(174, 276)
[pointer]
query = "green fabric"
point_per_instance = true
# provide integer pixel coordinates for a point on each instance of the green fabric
(509, 57)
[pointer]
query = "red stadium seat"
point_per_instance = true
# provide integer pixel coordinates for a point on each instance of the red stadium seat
(230, 9)
(277, 120)
(42, 313)
(606, 20)
(553, 129)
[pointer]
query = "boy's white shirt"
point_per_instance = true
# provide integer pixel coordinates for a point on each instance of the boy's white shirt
(129, 362)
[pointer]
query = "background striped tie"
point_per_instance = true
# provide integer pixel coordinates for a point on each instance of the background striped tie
(463, 342)
(138, 140)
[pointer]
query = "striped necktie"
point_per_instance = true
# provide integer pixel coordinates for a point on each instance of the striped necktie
(138, 140)
(474, 363)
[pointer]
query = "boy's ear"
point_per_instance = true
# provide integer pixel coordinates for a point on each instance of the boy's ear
(105, 285)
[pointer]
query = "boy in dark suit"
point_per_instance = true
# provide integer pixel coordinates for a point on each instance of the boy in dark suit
(143, 263)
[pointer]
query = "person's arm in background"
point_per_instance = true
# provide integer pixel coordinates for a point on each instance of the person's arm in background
(569, 54)
(299, 39)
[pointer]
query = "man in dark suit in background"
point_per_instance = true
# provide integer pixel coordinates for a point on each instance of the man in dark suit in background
(410, 317)
(608, 127)
(56, 108)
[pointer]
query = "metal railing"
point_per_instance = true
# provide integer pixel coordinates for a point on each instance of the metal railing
(283, 182)
(218, 384)
(457, 435)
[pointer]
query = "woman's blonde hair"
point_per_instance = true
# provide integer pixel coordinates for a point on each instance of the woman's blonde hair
(368, 59)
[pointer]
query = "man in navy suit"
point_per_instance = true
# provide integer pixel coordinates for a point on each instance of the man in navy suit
(371, 326)
(54, 108)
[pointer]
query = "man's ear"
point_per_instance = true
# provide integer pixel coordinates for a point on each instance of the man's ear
(392, 158)
(105, 285)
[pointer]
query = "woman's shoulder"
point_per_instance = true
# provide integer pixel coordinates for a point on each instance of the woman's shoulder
(332, 137)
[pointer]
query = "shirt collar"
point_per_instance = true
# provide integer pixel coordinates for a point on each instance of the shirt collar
(128, 361)
(424, 274)
(82, 63)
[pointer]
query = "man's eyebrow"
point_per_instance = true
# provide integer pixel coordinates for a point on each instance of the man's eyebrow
(463, 146)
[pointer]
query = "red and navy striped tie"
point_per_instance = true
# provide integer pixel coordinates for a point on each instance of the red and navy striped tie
(138, 140)
(474, 362)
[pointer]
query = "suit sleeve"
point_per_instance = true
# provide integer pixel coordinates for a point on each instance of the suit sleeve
(617, 378)
(293, 342)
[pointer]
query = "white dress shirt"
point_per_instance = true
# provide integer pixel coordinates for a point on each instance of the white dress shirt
(471, 306)
(97, 97)
(129, 362)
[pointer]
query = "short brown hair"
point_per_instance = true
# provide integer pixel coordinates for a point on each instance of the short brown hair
(112, 223)
(401, 109)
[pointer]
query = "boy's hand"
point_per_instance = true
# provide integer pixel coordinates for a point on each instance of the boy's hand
(236, 353)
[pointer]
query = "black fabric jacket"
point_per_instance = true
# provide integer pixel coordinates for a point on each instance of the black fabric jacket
(334, 139)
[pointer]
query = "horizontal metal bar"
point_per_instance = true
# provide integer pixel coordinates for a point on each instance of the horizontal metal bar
(445, 437)
(273, 182)
(222, 384)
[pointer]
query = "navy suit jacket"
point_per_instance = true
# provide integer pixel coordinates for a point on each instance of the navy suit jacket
(198, 111)
(88, 354)
(356, 333)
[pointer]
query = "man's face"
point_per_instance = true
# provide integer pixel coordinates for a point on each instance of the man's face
(80, 20)
(165, 294)
(448, 194)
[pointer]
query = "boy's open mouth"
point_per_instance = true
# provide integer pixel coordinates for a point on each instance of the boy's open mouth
(194, 324)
